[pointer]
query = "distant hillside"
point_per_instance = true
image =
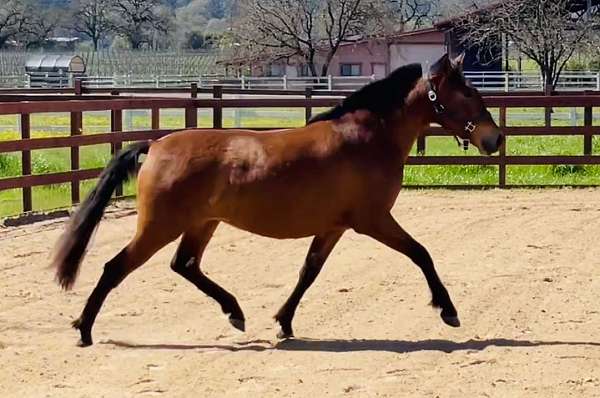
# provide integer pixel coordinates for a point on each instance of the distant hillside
(215, 6)
(54, 3)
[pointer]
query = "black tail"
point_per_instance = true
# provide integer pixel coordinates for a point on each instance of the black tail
(72, 245)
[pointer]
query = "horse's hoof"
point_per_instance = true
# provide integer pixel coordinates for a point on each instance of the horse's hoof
(239, 324)
(281, 335)
(86, 335)
(451, 321)
(84, 343)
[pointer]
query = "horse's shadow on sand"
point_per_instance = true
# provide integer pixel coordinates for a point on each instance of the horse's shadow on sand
(355, 345)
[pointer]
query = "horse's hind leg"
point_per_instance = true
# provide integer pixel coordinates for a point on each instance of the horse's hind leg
(136, 253)
(187, 264)
(320, 249)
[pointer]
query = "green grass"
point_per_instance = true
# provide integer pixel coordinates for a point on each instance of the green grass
(57, 160)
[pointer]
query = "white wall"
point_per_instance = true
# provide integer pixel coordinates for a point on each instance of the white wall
(291, 70)
(424, 54)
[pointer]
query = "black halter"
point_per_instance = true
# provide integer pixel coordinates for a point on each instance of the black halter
(439, 109)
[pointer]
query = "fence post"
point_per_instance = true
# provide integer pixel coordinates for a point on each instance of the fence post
(506, 82)
(217, 108)
(76, 127)
(78, 86)
(307, 108)
(155, 118)
(243, 82)
(191, 112)
(588, 137)
(26, 160)
(598, 81)
(421, 144)
(329, 82)
(116, 126)
(502, 151)
(285, 84)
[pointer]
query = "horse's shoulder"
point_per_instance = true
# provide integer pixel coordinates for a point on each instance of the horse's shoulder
(356, 127)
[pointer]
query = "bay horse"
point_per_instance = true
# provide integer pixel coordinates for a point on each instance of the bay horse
(341, 171)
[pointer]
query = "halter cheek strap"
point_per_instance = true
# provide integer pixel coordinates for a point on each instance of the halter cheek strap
(439, 109)
(433, 98)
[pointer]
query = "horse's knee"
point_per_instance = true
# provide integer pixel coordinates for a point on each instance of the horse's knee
(313, 260)
(312, 266)
(182, 263)
(418, 254)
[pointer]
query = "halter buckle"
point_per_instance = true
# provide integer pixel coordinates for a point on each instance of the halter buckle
(432, 95)
(470, 127)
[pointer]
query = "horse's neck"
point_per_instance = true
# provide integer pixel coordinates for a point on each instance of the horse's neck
(411, 121)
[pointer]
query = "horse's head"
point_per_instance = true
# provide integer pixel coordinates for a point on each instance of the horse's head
(458, 106)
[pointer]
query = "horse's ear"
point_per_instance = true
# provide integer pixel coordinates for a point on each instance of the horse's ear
(459, 61)
(442, 67)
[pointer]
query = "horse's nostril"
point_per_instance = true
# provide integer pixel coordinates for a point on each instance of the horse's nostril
(500, 140)
(492, 143)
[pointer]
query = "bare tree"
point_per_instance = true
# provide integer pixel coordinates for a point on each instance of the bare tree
(138, 20)
(39, 27)
(412, 13)
(90, 18)
(313, 30)
(547, 31)
(13, 20)
(23, 23)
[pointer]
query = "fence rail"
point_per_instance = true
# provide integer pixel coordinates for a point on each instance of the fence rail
(526, 81)
(76, 105)
(485, 81)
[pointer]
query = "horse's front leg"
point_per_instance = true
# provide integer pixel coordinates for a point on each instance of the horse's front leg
(387, 231)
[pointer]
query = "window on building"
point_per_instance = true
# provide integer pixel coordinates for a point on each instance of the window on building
(303, 70)
(275, 70)
(351, 69)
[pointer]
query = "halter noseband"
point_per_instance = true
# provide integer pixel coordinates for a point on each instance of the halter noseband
(439, 109)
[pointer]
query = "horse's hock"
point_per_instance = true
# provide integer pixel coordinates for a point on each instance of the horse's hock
(522, 274)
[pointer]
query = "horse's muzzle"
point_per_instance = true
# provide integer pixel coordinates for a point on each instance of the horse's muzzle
(491, 143)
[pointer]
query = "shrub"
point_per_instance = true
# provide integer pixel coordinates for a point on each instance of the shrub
(567, 169)
(9, 165)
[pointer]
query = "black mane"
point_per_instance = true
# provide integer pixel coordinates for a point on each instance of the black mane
(380, 97)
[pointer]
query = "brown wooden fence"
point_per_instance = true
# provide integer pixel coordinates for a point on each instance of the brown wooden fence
(42, 101)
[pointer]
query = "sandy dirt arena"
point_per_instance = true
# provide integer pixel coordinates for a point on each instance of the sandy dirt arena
(521, 267)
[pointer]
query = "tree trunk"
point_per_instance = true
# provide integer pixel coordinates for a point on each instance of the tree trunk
(549, 82)
(311, 63)
(327, 62)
